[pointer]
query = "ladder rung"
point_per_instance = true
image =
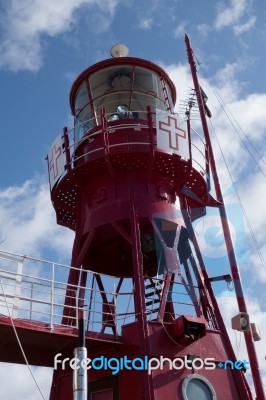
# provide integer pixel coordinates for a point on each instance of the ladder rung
(149, 303)
(151, 285)
(149, 294)
(154, 284)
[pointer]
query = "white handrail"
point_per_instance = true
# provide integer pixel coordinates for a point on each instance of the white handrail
(39, 297)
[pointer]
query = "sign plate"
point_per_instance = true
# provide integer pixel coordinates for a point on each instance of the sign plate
(170, 137)
(56, 161)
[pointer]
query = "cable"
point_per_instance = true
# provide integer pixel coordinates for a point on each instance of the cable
(230, 118)
(168, 334)
(19, 343)
(241, 205)
(238, 343)
(251, 377)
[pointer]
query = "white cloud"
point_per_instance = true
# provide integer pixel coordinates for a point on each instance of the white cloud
(28, 221)
(229, 87)
(229, 309)
(181, 78)
(17, 383)
(240, 124)
(145, 23)
(241, 135)
(203, 29)
(245, 113)
(231, 16)
(254, 119)
(228, 16)
(252, 192)
(26, 24)
(180, 30)
(238, 29)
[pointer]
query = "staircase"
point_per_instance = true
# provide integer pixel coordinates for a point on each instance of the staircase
(153, 290)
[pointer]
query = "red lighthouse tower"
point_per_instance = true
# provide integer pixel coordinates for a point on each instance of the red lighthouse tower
(130, 179)
(130, 186)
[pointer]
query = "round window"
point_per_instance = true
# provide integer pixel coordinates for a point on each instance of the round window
(197, 387)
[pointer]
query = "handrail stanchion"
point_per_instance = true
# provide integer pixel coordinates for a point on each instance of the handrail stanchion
(52, 298)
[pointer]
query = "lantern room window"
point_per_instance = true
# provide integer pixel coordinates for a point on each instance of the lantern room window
(124, 87)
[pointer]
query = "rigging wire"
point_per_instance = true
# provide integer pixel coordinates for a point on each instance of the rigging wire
(251, 377)
(238, 343)
(252, 234)
(19, 343)
(234, 122)
(230, 118)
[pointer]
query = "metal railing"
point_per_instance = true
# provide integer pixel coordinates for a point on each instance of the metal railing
(98, 138)
(35, 290)
(198, 150)
(111, 129)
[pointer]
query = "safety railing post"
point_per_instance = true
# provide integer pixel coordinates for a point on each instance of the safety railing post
(52, 298)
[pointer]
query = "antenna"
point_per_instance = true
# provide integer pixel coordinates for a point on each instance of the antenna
(119, 50)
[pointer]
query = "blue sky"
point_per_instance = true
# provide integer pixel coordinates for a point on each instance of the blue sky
(45, 44)
(42, 50)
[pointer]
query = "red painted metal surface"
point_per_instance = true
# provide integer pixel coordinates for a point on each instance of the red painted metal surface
(166, 383)
(41, 343)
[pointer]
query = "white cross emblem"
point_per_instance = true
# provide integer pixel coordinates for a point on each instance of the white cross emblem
(56, 161)
(170, 137)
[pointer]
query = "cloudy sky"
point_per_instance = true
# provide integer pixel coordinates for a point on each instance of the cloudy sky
(45, 44)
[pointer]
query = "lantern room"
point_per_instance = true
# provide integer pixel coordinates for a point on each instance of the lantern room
(124, 87)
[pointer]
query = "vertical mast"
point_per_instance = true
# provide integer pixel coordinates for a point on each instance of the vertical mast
(227, 235)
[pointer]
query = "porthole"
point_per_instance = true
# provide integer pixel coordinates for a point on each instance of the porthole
(197, 387)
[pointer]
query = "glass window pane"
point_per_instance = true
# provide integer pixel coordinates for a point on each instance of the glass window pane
(197, 389)
(112, 88)
(81, 98)
(139, 103)
(111, 103)
(111, 79)
(83, 123)
(148, 82)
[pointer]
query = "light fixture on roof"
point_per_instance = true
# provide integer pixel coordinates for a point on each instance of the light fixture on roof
(119, 50)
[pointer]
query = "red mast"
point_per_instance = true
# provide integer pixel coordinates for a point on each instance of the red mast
(227, 235)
